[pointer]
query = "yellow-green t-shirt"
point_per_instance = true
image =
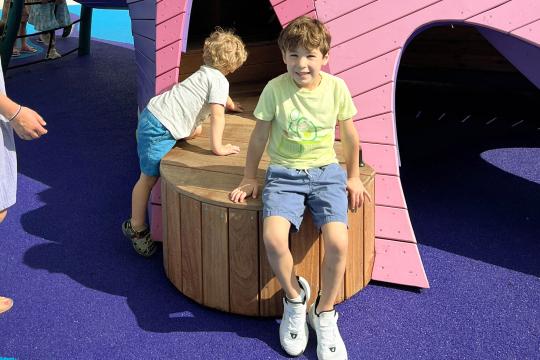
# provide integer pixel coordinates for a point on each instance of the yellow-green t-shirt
(303, 121)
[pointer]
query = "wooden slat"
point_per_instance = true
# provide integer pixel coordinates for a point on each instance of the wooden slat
(383, 158)
(291, 9)
(145, 45)
(168, 9)
(378, 129)
(305, 249)
(174, 238)
(147, 66)
(530, 32)
(393, 223)
(168, 57)
(372, 74)
(271, 294)
(169, 31)
(215, 257)
(163, 221)
(244, 262)
(191, 248)
(398, 262)
(166, 81)
(354, 273)
(375, 102)
(373, 15)
(394, 35)
(146, 28)
(144, 10)
(331, 9)
(389, 191)
(509, 16)
(369, 233)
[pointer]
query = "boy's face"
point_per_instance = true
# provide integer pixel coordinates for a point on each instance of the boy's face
(304, 66)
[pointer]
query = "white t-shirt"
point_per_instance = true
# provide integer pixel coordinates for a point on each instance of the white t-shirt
(186, 105)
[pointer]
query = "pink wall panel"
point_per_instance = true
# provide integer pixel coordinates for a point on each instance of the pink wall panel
(168, 9)
(156, 224)
(398, 262)
(383, 158)
(530, 32)
(509, 16)
(275, 2)
(374, 102)
(372, 16)
(378, 129)
(155, 195)
(291, 9)
(372, 74)
(331, 9)
(393, 223)
(394, 35)
(168, 57)
(389, 191)
(166, 81)
(169, 31)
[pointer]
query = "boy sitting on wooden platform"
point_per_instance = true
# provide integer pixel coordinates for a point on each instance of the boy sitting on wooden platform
(298, 112)
(178, 114)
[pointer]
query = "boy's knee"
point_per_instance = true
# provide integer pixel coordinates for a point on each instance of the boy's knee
(275, 243)
(148, 180)
(336, 240)
(3, 215)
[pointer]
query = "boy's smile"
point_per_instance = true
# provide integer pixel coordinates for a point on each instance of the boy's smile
(304, 66)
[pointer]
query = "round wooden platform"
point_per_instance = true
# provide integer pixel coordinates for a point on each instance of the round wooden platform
(213, 250)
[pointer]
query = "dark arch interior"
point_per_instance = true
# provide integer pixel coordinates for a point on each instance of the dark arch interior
(255, 22)
(459, 103)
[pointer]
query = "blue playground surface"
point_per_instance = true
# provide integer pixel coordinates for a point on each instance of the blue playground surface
(81, 292)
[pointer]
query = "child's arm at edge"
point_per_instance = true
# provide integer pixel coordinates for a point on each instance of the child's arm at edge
(257, 142)
(351, 148)
(233, 105)
(217, 125)
(27, 123)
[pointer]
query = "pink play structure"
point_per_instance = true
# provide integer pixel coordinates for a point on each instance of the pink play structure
(368, 39)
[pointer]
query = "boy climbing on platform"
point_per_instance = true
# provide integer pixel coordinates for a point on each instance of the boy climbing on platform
(297, 113)
(178, 114)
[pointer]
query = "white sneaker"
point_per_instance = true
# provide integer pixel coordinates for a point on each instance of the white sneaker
(330, 345)
(293, 330)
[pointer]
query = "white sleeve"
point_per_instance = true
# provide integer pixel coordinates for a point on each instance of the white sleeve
(218, 91)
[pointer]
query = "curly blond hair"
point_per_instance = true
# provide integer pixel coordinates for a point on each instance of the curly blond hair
(306, 32)
(224, 51)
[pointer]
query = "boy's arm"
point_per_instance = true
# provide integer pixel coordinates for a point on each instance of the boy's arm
(257, 142)
(351, 148)
(27, 123)
(217, 124)
(233, 106)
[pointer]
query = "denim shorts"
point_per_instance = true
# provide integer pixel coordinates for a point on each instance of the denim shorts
(153, 142)
(323, 190)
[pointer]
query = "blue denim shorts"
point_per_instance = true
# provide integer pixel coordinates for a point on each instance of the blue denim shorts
(323, 190)
(153, 142)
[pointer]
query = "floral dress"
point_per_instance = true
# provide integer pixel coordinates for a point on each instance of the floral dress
(49, 16)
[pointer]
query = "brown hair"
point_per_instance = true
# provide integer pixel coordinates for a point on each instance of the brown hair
(306, 32)
(224, 51)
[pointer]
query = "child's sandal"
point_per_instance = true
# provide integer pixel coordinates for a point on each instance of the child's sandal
(141, 240)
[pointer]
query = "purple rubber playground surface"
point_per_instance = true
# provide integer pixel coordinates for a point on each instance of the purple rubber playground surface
(81, 292)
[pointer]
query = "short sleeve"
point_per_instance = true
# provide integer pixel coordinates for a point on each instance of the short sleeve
(266, 107)
(218, 90)
(346, 108)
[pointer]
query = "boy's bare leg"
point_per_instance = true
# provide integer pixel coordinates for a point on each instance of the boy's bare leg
(276, 242)
(139, 200)
(333, 266)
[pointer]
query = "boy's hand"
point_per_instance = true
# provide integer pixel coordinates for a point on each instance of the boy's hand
(357, 193)
(29, 124)
(227, 150)
(246, 188)
(235, 107)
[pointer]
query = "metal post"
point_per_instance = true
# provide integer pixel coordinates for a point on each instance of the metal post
(85, 30)
(11, 32)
